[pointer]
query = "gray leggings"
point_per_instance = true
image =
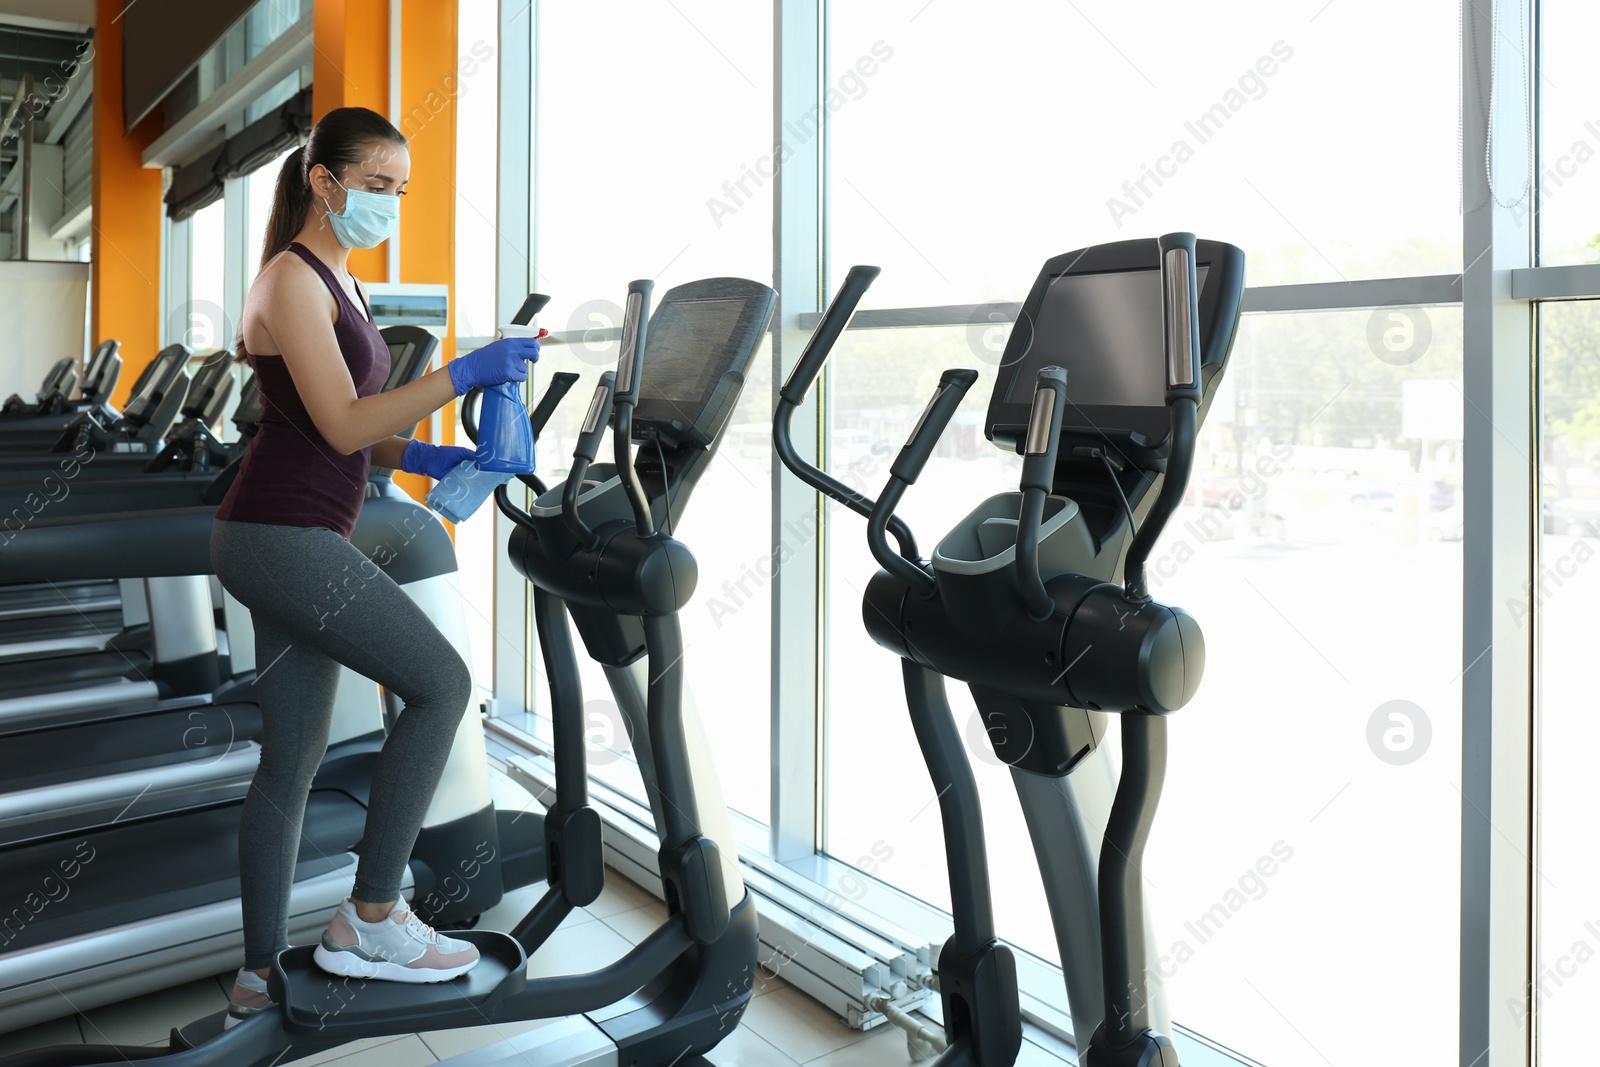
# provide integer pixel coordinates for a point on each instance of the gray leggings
(317, 602)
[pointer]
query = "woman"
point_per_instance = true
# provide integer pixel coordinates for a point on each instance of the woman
(282, 539)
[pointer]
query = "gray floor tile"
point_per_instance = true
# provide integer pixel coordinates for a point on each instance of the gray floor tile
(578, 950)
(880, 1047)
(745, 1048)
(620, 895)
(794, 1023)
(639, 923)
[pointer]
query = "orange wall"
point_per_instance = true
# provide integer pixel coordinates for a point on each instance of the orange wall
(351, 69)
(428, 73)
(125, 290)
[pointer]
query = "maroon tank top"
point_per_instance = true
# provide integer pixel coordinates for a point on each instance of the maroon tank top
(290, 476)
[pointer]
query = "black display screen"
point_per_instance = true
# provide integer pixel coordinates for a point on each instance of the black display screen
(1105, 329)
(680, 359)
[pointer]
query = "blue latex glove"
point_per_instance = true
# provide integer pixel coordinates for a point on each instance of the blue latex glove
(433, 460)
(505, 360)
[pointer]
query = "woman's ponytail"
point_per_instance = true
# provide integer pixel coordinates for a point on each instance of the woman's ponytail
(291, 202)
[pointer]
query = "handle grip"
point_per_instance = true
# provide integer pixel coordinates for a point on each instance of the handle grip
(834, 320)
(561, 383)
(596, 419)
(594, 427)
(530, 307)
(953, 386)
(630, 369)
(1181, 324)
(1180, 315)
(630, 361)
(1043, 441)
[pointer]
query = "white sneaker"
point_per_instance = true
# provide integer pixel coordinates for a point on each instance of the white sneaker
(399, 948)
(249, 997)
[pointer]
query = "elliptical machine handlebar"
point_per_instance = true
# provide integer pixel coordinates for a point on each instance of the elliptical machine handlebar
(1180, 316)
(534, 304)
(561, 383)
(903, 473)
(583, 454)
(630, 368)
(1040, 448)
(953, 386)
(834, 320)
(838, 315)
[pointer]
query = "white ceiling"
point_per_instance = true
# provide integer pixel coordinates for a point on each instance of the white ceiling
(49, 14)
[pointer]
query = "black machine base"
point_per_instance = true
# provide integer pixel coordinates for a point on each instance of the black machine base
(319, 1004)
(1148, 1049)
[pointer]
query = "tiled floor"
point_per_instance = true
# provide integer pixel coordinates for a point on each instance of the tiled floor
(781, 1028)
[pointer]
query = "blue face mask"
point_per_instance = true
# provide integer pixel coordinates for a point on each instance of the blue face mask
(369, 219)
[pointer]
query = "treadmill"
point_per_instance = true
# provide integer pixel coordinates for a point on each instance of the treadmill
(59, 617)
(157, 397)
(72, 655)
(59, 382)
(183, 474)
(189, 442)
(99, 379)
(162, 658)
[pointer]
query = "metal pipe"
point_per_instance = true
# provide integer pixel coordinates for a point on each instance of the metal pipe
(25, 196)
(904, 1020)
(24, 158)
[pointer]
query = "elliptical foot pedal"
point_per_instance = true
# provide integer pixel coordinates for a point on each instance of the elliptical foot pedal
(197, 1033)
(317, 1003)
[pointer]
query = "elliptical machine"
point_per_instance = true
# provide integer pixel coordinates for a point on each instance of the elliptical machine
(1020, 602)
(594, 549)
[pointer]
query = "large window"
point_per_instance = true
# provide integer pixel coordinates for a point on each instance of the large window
(261, 186)
(627, 187)
(1560, 605)
(966, 149)
(1311, 784)
(1568, 179)
(203, 324)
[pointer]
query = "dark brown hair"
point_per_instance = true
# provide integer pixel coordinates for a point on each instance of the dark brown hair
(339, 138)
